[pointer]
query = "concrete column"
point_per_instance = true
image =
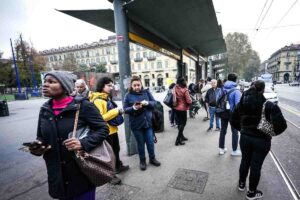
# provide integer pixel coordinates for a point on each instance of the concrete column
(121, 27)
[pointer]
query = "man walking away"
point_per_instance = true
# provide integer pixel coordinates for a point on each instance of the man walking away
(211, 102)
(204, 89)
(234, 96)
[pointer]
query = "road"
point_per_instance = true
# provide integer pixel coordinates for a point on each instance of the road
(286, 146)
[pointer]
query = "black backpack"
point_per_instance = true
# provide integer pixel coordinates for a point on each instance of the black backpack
(223, 107)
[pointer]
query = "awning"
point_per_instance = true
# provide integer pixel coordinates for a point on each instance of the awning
(171, 25)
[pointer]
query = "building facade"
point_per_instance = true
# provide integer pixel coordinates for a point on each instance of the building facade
(284, 64)
(154, 69)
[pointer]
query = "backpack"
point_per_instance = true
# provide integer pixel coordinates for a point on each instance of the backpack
(118, 120)
(223, 106)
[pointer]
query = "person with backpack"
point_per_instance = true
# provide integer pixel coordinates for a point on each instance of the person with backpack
(255, 144)
(227, 99)
(139, 105)
(113, 116)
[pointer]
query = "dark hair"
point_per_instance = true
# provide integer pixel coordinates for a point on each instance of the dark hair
(181, 82)
(259, 86)
(219, 83)
(172, 86)
(102, 82)
(232, 77)
(134, 78)
(208, 79)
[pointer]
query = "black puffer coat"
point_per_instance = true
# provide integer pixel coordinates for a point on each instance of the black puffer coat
(64, 177)
(247, 115)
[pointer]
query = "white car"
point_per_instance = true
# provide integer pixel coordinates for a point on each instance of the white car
(270, 95)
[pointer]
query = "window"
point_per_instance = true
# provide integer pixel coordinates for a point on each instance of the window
(166, 64)
(167, 75)
(108, 50)
(87, 61)
(153, 76)
(93, 60)
(145, 54)
(159, 64)
(55, 58)
(103, 59)
(97, 60)
(137, 55)
(87, 54)
(51, 58)
(82, 54)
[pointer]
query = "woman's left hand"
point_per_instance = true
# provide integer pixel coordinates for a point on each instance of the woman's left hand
(73, 144)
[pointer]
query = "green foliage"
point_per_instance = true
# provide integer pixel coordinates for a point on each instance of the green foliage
(100, 68)
(7, 74)
(241, 58)
(83, 68)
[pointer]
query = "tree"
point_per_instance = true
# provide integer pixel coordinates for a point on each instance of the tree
(100, 68)
(69, 63)
(252, 67)
(238, 51)
(26, 54)
(83, 68)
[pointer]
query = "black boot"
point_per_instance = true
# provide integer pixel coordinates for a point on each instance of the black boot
(143, 165)
(154, 162)
(179, 142)
(183, 138)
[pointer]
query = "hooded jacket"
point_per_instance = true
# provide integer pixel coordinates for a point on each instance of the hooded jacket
(247, 115)
(100, 100)
(183, 98)
(65, 179)
(235, 96)
(142, 118)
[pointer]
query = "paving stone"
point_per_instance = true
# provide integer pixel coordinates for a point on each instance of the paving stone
(116, 192)
(189, 180)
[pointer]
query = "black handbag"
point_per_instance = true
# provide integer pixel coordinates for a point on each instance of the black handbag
(169, 99)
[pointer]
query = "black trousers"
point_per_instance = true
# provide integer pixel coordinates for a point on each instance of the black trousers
(254, 151)
(181, 120)
(113, 140)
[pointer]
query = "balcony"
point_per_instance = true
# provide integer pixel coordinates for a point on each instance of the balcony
(113, 62)
(138, 59)
(151, 58)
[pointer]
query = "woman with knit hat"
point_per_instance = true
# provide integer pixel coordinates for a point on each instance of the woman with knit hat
(56, 121)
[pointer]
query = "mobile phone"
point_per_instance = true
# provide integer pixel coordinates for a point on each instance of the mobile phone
(33, 145)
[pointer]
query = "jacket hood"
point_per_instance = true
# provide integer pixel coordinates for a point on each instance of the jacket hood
(229, 85)
(101, 95)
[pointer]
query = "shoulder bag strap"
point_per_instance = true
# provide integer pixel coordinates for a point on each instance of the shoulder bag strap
(263, 111)
(76, 122)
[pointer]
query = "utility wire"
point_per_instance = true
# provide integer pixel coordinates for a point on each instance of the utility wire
(285, 14)
(261, 14)
(257, 28)
(263, 28)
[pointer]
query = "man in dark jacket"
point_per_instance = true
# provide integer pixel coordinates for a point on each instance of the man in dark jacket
(230, 86)
(255, 144)
(211, 103)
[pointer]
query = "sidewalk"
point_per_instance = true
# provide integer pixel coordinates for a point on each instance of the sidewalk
(187, 167)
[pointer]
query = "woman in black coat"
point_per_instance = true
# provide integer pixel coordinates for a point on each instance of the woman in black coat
(56, 121)
(255, 144)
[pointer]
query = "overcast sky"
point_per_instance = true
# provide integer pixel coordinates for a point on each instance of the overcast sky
(47, 28)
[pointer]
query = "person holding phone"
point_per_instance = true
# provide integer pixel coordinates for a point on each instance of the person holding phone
(139, 104)
(56, 121)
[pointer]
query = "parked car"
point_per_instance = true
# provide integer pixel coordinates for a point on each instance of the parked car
(294, 83)
(270, 95)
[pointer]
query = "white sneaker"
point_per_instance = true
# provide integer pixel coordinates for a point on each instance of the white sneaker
(222, 151)
(236, 153)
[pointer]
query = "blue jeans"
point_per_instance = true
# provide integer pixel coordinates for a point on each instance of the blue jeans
(235, 135)
(143, 136)
(212, 113)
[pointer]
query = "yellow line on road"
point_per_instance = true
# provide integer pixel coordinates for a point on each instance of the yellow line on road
(289, 109)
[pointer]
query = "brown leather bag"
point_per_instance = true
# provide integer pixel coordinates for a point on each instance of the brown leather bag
(99, 164)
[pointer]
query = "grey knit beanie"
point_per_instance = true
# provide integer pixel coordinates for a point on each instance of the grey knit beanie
(66, 79)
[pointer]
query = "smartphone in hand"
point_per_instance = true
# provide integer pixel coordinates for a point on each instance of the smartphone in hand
(32, 145)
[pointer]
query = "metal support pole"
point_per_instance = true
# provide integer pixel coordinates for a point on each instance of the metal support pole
(16, 68)
(121, 27)
(198, 70)
(205, 71)
(211, 71)
(32, 74)
(179, 66)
